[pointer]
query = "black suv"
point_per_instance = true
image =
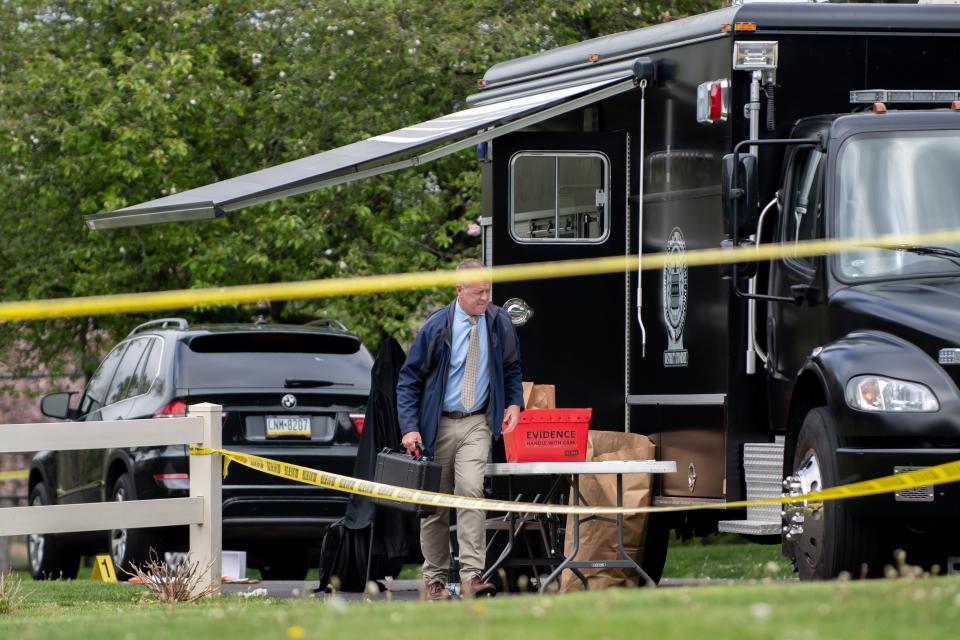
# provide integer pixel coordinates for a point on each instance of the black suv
(292, 393)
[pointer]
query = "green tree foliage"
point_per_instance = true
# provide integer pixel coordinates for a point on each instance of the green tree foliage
(107, 103)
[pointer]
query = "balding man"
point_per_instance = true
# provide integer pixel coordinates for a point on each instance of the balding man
(460, 383)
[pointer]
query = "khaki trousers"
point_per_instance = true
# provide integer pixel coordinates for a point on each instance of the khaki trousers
(462, 449)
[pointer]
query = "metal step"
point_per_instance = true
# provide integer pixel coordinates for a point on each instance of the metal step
(750, 527)
(763, 474)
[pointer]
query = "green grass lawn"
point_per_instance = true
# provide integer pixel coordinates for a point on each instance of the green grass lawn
(926, 607)
(725, 556)
(715, 557)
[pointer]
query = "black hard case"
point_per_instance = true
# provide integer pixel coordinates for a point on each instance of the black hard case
(399, 469)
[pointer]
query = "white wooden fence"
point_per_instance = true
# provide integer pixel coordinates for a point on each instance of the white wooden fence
(202, 510)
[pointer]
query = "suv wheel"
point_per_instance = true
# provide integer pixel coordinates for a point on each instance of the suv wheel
(130, 546)
(48, 557)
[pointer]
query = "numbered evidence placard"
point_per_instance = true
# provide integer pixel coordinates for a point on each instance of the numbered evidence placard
(103, 569)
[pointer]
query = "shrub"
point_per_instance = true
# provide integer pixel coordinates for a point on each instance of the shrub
(10, 596)
(173, 584)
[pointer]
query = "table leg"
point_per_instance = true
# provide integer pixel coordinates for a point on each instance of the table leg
(576, 543)
(511, 536)
(620, 548)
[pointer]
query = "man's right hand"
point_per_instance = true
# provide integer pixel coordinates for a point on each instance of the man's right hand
(412, 442)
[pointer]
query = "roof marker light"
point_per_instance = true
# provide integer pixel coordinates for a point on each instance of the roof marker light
(593, 57)
(879, 107)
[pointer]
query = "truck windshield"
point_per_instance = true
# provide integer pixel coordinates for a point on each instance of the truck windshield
(899, 184)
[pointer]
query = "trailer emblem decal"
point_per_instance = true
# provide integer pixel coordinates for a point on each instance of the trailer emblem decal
(675, 300)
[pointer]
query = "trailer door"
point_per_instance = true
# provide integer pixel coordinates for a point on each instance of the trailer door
(562, 196)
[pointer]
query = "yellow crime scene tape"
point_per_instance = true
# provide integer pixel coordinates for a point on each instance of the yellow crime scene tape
(13, 475)
(940, 474)
(217, 296)
(165, 300)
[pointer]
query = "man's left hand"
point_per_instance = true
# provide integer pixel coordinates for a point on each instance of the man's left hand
(510, 416)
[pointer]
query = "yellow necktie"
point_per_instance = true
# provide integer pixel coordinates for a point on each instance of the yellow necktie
(468, 394)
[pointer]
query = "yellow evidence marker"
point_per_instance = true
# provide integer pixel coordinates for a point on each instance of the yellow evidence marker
(103, 569)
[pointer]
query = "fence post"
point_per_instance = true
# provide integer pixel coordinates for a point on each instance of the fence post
(4, 551)
(205, 480)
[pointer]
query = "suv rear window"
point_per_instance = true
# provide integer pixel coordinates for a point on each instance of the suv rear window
(273, 360)
(274, 343)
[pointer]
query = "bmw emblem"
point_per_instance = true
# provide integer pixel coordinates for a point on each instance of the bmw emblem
(289, 401)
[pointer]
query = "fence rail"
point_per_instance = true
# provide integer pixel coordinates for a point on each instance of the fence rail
(201, 511)
(69, 436)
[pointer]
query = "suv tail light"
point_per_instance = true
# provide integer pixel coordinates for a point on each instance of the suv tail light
(356, 419)
(175, 409)
(178, 409)
(171, 476)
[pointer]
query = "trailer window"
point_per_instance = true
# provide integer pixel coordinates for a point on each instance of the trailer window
(559, 196)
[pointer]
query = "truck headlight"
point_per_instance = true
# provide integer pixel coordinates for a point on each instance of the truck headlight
(876, 393)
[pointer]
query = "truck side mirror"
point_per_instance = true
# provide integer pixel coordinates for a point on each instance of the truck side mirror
(57, 405)
(740, 188)
(738, 270)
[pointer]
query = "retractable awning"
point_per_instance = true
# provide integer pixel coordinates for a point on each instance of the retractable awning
(374, 156)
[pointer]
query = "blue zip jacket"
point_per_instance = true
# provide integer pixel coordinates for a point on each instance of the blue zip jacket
(423, 377)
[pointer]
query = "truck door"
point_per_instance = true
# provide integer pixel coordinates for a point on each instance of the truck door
(792, 330)
(562, 196)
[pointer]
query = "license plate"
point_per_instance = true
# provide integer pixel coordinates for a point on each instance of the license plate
(280, 426)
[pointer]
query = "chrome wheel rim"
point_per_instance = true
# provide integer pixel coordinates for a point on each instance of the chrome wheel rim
(35, 543)
(118, 537)
(810, 544)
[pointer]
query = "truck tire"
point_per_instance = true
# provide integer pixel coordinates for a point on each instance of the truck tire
(130, 547)
(833, 541)
(49, 558)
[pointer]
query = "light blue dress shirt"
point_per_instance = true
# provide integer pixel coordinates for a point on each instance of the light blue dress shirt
(460, 343)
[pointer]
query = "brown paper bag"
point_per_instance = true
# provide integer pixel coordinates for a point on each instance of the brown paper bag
(539, 396)
(598, 539)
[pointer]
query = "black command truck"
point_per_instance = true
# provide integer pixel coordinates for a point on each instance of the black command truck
(758, 123)
(797, 373)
